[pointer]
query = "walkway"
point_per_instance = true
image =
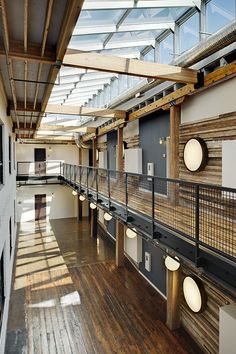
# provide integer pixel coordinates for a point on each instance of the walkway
(69, 298)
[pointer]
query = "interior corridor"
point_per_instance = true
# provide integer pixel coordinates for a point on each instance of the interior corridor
(68, 297)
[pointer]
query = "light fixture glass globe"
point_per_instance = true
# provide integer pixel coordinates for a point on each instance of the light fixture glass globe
(172, 264)
(192, 294)
(74, 192)
(81, 198)
(107, 216)
(131, 233)
(93, 206)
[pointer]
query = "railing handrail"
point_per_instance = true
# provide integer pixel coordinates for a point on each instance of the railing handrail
(167, 179)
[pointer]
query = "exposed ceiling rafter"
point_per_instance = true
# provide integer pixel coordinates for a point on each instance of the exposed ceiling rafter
(132, 67)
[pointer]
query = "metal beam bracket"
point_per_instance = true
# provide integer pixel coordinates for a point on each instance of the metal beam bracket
(58, 64)
(200, 80)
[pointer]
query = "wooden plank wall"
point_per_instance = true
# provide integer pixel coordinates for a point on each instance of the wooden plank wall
(204, 327)
(213, 131)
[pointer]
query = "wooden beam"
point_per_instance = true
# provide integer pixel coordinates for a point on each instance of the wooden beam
(218, 76)
(132, 67)
(54, 137)
(173, 299)
(85, 111)
(64, 128)
(152, 107)
(26, 6)
(33, 53)
(23, 126)
(21, 107)
(44, 40)
(6, 41)
(70, 19)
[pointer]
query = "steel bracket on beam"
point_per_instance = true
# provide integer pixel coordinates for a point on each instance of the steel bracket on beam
(200, 80)
(58, 64)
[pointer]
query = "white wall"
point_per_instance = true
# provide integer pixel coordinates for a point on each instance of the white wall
(65, 153)
(60, 202)
(7, 197)
(210, 103)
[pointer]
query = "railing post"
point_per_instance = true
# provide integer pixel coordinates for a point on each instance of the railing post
(109, 189)
(74, 174)
(126, 194)
(197, 225)
(153, 205)
(96, 178)
(80, 173)
(87, 169)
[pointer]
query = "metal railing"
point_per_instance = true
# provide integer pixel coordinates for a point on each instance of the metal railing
(203, 215)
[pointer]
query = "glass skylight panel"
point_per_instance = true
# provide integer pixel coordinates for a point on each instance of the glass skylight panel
(158, 15)
(150, 56)
(137, 35)
(189, 33)
(166, 50)
(96, 17)
(218, 14)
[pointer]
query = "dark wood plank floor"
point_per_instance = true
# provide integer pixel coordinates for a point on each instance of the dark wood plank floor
(68, 297)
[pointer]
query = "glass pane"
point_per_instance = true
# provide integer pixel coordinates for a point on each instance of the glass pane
(189, 33)
(166, 50)
(219, 13)
(155, 14)
(106, 17)
(149, 56)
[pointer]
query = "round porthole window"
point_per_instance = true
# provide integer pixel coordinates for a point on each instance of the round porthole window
(195, 154)
(194, 294)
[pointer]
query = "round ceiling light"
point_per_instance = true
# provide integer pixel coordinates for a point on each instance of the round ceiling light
(107, 216)
(93, 206)
(81, 198)
(131, 233)
(74, 192)
(194, 294)
(195, 154)
(172, 264)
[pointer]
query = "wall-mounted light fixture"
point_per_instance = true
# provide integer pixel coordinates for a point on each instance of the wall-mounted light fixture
(81, 198)
(93, 206)
(131, 233)
(194, 293)
(162, 140)
(107, 216)
(74, 192)
(171, 263)
(195, 154)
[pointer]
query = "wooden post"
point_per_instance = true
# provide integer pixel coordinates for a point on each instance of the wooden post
(120, 229)
(173, 299)
(174, 152)
(80, 207)
(80, 210)
(174, 141)
(94, 212)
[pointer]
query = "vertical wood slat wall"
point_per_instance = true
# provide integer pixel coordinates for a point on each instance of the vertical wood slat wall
(213, 131)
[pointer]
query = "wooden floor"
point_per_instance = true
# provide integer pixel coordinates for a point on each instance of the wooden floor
(68, 297)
